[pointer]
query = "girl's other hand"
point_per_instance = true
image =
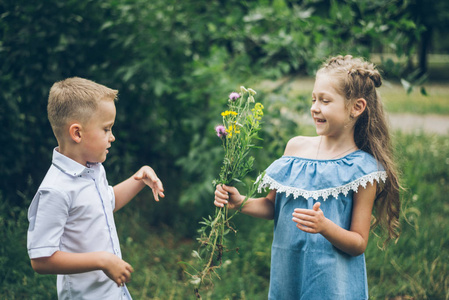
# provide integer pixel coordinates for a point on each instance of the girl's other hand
(227, 195)
(310, 220)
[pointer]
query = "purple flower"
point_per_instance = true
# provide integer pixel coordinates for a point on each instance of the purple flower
(234, 96)
(221, 131)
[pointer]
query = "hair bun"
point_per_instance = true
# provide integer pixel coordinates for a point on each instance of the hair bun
(374, 75)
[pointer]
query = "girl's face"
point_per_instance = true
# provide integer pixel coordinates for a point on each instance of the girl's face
(97, 133)
(329, 110)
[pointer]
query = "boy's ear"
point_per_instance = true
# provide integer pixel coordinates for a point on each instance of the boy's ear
(358, 107)
(75, 132)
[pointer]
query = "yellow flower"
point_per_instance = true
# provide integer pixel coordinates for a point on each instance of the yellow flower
(229, 131)
(232, 129)
(235, 129)
(227, 113)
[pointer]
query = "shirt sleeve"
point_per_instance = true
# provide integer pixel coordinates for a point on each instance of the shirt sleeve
(47, 216)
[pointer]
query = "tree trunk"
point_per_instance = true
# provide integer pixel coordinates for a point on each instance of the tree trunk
(426, 38)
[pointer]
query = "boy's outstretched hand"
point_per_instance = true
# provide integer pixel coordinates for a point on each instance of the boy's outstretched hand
(149, 177)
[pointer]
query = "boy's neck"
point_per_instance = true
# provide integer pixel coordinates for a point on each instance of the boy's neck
(70, 152)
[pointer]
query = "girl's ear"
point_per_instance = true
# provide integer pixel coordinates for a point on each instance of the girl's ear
(358, 108)
(75, 132)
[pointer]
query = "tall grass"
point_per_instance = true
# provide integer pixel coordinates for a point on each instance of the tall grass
(416, 267)
(417, 264)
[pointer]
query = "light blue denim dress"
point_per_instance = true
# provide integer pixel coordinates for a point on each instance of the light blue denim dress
(303, 265)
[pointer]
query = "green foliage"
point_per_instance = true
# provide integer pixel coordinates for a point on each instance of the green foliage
(17, 279)
(395, 272)
(169, 59)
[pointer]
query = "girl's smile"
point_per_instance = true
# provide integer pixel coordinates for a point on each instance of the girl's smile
(329, 110)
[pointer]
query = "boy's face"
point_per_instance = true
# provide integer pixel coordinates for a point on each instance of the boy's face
(97, 133)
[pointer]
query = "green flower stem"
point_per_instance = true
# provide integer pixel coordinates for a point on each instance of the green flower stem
(241, 123)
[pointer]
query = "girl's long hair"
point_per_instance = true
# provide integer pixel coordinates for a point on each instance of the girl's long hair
(358, 78)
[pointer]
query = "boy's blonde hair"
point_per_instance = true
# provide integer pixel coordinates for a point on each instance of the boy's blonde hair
(75, 99)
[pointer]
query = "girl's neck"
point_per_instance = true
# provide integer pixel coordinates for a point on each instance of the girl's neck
(329, 148)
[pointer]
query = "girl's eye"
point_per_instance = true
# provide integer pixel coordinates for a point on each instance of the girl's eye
(107, 129)
(313, 100)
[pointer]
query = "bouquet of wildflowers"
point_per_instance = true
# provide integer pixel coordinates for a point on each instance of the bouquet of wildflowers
(241, 123)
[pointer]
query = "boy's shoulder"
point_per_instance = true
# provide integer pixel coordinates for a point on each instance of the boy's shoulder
(56, 181)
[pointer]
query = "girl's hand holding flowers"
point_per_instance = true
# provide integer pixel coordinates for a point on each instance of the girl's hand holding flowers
(228, 195)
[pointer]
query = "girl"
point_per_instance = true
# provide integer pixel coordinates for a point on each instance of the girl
(323, 189)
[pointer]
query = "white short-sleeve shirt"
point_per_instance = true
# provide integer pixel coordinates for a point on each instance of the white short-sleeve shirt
(72, 211)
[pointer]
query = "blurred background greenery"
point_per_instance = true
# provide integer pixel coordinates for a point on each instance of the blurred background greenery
(174, 63)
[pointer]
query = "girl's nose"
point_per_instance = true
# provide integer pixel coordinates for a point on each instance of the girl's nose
(112, 137)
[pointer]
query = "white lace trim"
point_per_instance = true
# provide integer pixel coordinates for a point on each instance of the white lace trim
(267, 181)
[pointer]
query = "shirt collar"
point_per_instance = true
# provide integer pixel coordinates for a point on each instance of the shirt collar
(71, 167)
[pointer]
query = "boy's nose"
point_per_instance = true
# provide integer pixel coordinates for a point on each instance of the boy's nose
(315, 108)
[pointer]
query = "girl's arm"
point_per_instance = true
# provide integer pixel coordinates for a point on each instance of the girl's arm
(73, 263)
(352, 241)
(257, 207)
(129, 188)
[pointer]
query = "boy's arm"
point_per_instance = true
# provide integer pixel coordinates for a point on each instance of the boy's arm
(129, 188)
(72, 263)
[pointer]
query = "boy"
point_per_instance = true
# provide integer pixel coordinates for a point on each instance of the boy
(72, 231)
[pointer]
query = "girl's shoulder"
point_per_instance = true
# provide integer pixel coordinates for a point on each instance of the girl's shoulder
(301, 146)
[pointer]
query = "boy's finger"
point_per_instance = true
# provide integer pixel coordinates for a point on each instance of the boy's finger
(159, 185)
(155, 195)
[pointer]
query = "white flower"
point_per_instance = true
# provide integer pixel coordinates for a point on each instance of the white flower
(195, 280)
(227, 263)
(251, 91)
(196, 254)
(243, 90)
(251, 99)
